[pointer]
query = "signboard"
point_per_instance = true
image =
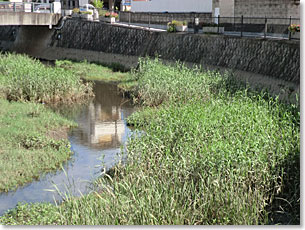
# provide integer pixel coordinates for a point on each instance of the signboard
(127, 2)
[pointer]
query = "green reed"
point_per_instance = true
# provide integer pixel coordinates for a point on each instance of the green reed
(26, 79)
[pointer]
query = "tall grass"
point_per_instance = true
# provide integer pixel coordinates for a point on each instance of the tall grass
(209, 155)
(26, 79)
(157, 83)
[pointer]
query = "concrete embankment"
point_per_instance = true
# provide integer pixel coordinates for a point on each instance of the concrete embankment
(274, 64)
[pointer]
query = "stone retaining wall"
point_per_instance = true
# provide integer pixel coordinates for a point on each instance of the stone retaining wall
(275, 58)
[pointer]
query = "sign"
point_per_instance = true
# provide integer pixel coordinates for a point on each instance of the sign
(127, 3)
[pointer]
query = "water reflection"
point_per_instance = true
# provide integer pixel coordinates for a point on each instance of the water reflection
(96, 143)
(103, 127)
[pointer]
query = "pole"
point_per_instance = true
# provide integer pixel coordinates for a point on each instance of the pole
(266, 27)
(289, 33)
(149, 20)
(242, 26)
(218, 20)
(129, 18)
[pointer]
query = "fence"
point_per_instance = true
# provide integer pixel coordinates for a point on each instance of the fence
(26, 7)
(235, 26)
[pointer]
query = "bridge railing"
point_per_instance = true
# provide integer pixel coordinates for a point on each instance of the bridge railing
(27, 7)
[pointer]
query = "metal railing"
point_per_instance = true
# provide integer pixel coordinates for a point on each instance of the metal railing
(265, 27)
(27, 7)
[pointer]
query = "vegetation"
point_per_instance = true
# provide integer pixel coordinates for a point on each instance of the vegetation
(32, 141)
(76, 10)
(98, 4)
(113, 72)
(26, 79)
(172, 26)
(211, 153)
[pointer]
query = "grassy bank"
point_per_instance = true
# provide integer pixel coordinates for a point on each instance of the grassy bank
(32, 141)
(112, 73)
(211, 154)
(26, 79)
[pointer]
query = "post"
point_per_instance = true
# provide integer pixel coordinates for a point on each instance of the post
(266, 28)
(218, 20)
(149, 20)
(129, 18)
(14, 6)
(196, 25)
(242, 26)
(289, 33)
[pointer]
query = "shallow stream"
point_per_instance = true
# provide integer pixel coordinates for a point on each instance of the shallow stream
(96, 144)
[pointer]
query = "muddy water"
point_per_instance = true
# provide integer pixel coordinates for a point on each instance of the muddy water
(96, 144)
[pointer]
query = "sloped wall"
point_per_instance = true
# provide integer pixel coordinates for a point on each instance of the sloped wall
(276, 58)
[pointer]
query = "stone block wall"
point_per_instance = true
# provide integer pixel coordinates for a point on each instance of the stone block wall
(278, 59)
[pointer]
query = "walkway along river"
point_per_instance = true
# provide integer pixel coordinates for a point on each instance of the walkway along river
(96, 144)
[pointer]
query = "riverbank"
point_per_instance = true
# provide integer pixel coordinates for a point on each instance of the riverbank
(33, 138)
(212, 153)
(33, 141)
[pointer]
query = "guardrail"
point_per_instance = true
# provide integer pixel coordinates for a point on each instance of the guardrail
(28, 7)
(235, 26)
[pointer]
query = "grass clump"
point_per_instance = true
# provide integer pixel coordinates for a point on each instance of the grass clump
(158, 83)
(112, 73)
(26, 79)
(33, 140)
(92, 71)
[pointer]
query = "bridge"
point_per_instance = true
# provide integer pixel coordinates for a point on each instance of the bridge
(29, 13)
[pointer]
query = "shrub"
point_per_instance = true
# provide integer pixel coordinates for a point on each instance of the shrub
(75, 10)
(87, 12)
(294, 28)
(98, 4)
(171, 26)
(111, 15)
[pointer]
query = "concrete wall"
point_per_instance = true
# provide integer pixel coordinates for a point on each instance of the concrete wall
(172, 6)
(259, 8)
(161, 18)
(22, 18)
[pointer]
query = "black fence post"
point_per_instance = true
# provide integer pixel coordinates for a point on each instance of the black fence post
(242, 26)
(149, 20)
(218, 21)
(129, 15)
(289, 33)
(266, 27)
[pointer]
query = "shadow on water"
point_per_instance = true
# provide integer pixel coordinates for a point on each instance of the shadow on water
(96, 144)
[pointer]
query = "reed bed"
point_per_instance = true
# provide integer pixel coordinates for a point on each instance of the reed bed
(210, 154)
(26, 79)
